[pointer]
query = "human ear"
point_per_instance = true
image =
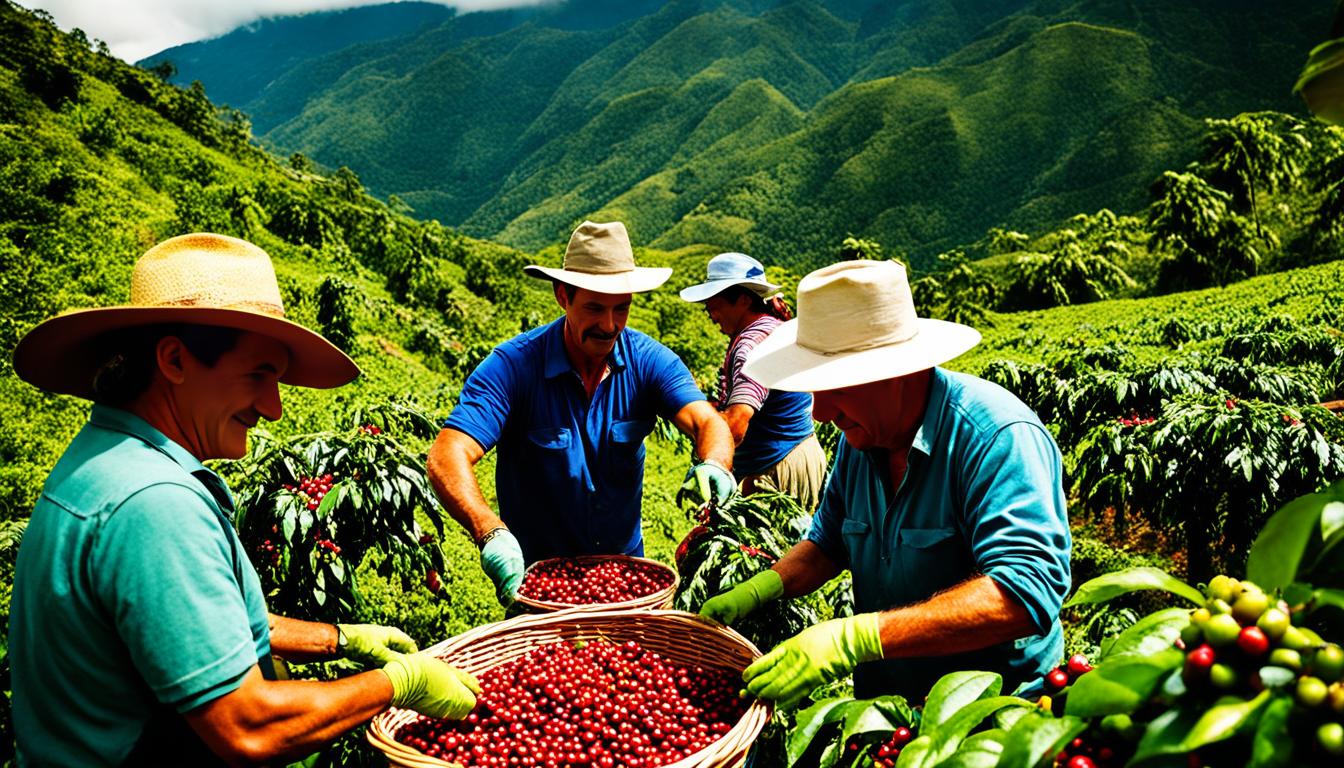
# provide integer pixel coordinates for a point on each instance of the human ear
(169, 354)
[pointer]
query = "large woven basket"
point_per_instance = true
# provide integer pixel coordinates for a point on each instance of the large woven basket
(660, 599)
(682, 638)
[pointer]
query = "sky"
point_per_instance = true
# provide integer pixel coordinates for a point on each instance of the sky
(134, 29)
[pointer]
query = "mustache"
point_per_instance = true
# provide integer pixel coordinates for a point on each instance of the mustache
(600, 336)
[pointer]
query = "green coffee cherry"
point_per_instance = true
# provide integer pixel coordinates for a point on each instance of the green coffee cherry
(1331, 738)
(1286, 658)
(1199, 616)
(1250, 606)
(1328, 663)
(1221, 630)
(1335, 698)
(1294, 639)
(1192, 636)
(1311, 692)
(1217, 606)
(1274, 623)
(1224, 677)
(1223, 588)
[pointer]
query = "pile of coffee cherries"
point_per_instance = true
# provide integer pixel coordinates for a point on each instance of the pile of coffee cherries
(599, 704)
(578, 582)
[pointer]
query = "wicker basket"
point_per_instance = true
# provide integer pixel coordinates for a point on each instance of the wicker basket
(682, 638)
(660, 599)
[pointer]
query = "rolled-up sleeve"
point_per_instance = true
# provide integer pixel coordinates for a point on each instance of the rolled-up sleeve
(1017, 519)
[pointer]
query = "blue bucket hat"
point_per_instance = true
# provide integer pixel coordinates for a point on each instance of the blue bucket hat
(727, 270)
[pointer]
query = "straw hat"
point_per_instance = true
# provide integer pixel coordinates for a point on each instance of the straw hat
(600, 259)
(727, 270)
(856, 323)
(200, 279)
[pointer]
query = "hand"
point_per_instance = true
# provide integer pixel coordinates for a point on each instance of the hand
(818, 654)
(707, 482)
(502, 559)
(431, 687)
(372, 644)
(744, 598)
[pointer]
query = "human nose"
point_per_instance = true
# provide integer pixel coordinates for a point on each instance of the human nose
(268, 405)
(823, 409)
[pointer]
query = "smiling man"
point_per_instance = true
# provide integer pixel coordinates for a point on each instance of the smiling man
(568, 406)
(945, 502)
(138, 630)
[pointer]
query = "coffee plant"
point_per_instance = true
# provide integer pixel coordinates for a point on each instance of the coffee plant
(311, 508)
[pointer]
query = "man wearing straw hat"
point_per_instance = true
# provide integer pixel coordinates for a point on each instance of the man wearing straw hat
(138, 630)
(568, 405)
(776, 447)
(945, 502)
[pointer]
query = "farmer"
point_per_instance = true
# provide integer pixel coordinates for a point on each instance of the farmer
(568, 405)
(138, 630)
(776, 449)
(945, 502)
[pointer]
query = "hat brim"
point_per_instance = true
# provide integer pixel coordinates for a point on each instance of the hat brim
(637, 280)
(779, 362)
(60, 355)
(711, 288)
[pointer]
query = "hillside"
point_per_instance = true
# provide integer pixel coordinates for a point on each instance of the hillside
(953, 116)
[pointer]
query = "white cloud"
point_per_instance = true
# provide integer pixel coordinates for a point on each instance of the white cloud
(134, 29)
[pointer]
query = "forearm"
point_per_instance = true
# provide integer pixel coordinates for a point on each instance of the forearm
(273, 721)
(451, 474)
(714, 441)
(975, 614)
(302, 641)
(804, 568)
(738, 418)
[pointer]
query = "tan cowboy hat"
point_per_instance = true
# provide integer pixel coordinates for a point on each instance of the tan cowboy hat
(600, 259)
(200, 279)
(856, 323)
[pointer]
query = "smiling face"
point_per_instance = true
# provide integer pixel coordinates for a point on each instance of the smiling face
(216, 405)
(593, 321)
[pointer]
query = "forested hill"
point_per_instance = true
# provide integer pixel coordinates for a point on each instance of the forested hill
(776, 128)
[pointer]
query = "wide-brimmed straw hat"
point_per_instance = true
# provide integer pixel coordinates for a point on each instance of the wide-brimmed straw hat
(856, 323)
(199, 279)
(600, 259)
(727, 270)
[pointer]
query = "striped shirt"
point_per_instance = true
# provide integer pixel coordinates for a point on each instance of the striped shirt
(782, 419)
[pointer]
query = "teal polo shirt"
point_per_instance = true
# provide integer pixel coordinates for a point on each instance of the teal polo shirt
(569, 474)
(982, 495)
(132, 594)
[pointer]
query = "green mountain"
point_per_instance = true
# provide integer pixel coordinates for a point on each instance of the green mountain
(780, 127)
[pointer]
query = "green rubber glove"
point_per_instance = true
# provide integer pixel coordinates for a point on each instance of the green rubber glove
(707, 482)
(429, 686)
(502, 559)
(744, 598)
(371, 643)
(817, 655)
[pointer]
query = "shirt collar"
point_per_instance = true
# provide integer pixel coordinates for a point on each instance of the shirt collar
(128, 423)
(557, 361)
(933, 413)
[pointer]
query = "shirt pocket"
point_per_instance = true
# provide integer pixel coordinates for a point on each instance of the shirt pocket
(626, 448)
(548, 452)
(931, 560)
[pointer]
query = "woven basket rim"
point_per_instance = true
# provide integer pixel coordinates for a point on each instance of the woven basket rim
(725, 751)
(659, 599)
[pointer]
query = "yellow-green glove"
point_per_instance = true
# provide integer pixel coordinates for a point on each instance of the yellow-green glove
(371, 643)
(744, 598)
(706, 482)
(818, 654)
(431, 687)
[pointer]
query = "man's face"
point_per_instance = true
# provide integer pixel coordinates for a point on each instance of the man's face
(727, 315)
(218, 405)
(593, 321)
(865, 412)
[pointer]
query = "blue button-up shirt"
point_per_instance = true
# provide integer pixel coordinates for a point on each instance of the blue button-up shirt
(982, 494)
(132, 594)
(569, 476)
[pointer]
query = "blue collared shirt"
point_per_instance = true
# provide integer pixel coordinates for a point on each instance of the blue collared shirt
(982, 494)
(569, 476)
(132, 593)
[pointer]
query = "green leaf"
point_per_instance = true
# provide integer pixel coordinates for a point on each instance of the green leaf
(981, 750)
(1327, 596)
(944, 739)
(1036, 735)
(1283, 543)
(1119, 686)
(867, 719)
(1189, 731)
(1151, 634)
(914, 754)
(1273, 745)
(811, 720)
(954, 691)
(1112, 585)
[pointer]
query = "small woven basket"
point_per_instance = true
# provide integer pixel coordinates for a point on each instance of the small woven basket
(660, 599)
(682, 638)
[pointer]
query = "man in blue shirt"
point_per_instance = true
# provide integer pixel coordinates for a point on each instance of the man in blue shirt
(568, 405)
(138, 630)
(945, 502)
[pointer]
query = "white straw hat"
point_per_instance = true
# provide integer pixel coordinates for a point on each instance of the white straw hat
(199, 279)
(856, 323)
(599, 258)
